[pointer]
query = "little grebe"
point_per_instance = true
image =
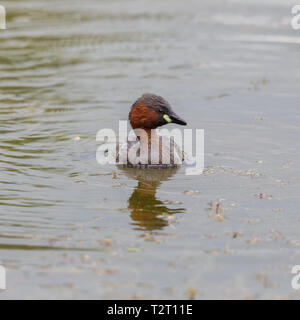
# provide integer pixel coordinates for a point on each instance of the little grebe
(149, 112)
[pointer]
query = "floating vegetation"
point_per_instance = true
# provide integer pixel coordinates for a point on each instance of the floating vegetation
(192, 292)
(133, 249)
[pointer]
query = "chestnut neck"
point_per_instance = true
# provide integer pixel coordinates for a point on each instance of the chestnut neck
(151, 138)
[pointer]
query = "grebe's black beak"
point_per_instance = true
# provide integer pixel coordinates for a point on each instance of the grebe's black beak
(176, 119)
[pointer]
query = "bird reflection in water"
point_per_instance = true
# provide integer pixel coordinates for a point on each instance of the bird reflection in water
(147, 212)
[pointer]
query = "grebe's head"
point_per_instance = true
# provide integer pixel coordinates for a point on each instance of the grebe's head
(151, 111)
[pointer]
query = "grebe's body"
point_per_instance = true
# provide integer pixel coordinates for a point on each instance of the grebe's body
(147, 150)
(166, 149)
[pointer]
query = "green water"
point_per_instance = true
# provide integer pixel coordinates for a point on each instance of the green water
(71, 228)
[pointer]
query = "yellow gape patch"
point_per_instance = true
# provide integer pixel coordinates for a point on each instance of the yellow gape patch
(167, 118)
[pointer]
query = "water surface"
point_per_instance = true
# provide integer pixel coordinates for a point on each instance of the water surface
(70, 228)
